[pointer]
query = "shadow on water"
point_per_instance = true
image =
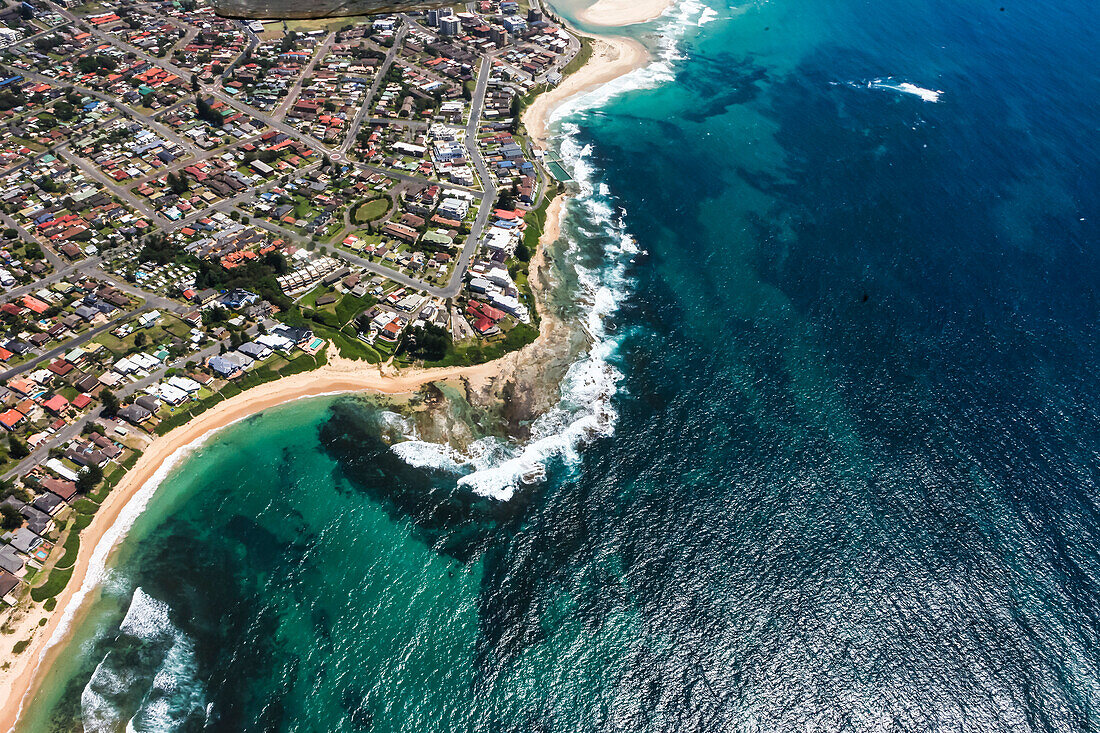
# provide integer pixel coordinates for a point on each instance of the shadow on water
(452, 520)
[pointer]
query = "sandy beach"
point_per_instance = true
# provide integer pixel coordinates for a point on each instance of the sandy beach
(612, 57)
(624, 12)
(339, 375)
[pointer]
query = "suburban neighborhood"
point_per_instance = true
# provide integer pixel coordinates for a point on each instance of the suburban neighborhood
(193, 205)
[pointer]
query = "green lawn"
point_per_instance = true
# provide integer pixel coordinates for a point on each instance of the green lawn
(372, 210)
(309, 300)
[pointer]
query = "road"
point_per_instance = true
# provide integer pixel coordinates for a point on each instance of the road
(292, 95)
(368, 100)
(490, 197)
(70, 344)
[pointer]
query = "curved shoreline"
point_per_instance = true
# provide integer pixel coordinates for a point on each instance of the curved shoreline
(339, 376)
(613, 57)
(624, 12)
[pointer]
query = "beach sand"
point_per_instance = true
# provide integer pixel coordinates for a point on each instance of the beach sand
(623, 12)
(612, 57)
(555, 347)
(339, 375)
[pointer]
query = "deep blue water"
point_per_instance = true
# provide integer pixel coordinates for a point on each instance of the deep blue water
(853, 479)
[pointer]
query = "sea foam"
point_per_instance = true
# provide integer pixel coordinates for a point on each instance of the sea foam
(496, 468)
(905, 87)
(164, 695)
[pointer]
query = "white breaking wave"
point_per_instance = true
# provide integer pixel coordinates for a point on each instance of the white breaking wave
(147, 618)
(98, 573)
(161, 698)
(496, 468)
(905, 87)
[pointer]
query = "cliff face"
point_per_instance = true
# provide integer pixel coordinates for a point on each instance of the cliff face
(297, 9)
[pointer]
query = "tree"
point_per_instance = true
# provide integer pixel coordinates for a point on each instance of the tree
(217, 314)
(523, 253)
(110, 402)
(140, 339)
(276, 260)
(11, 518)
(516, 111)
(206, 113)
(64, 111)
(177, 183)
(17, 448)
(429, 342)
(89, 478)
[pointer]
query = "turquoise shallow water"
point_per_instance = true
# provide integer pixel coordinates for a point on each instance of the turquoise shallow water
(842, 402)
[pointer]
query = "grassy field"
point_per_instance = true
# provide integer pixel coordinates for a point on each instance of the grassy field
(372, 210)
(275, 30)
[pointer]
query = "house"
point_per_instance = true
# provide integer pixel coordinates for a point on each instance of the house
(60, 367)
(61, 469)
(86, 312)
(400, 231)
(25, 541)
(86, 383)
(149, 402)
(64, 489)
(454, 208)
(294, 334)
(206, 296)
(48, 503)
(255, 350)
(38, 521)
(273, 341)
(10, 560)
(134, 414)
(56, 404)
(236, 299)
(22, 385)
(190, 386)
(11, 419)
(223, 367)
(8, 584)
(242, 361)
(170, 394)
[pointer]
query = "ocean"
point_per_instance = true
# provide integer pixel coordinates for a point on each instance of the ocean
(830, 464)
